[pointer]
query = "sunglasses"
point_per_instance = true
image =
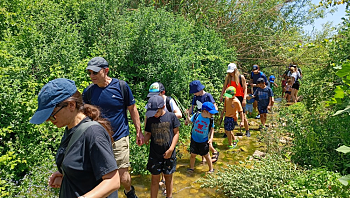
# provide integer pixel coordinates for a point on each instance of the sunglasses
(91, 72)
(52, 117)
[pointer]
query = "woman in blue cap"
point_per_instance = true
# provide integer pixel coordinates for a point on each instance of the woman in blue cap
(85, 160)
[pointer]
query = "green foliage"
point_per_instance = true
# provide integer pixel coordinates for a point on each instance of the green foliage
(44, 40)
(315, 183)
(253, 178)
(316, 136)
(274, 176)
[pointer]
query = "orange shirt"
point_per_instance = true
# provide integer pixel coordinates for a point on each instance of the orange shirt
(239, 88)
(231, 107)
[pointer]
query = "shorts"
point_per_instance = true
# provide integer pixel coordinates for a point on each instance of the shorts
(199, 148)
(240, 98)
(229, 123)
(288, 92)
(156, 166)
(296, 85)
(121, 152)
(249, 108)
(262, 110)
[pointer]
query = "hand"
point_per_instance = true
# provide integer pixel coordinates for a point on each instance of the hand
(55, 180)
(210, 141)
(140, 139)
(244, 102)
(220, 98)
(269, 107)
(168, 153)
(241, 124)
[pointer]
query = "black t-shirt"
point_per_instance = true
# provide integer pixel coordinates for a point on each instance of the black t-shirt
(162, 130)
(87, 160)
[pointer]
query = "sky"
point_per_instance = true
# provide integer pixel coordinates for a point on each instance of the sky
(335, 18)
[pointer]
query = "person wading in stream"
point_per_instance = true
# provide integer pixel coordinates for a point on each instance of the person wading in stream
(200, 96)
(162, 127)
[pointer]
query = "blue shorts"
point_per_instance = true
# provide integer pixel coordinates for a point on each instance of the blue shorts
(229, 123)
(262, 110)
(249, 108)
(156, 166)
(288, 92)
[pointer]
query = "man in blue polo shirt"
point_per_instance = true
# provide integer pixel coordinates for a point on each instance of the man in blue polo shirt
(114, 97)
(254, 76)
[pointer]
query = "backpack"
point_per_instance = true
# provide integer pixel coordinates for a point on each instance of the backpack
(260, 74)
(167, 103)
(195, 118)
(122, 87)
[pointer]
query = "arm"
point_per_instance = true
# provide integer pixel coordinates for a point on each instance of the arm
(188, 112)
(168, 153)
(223, 89)
(271, 102)
(110, 183)
(211, 135)
(136, 120)
(147, 136)
(176, 109)
(244, 86)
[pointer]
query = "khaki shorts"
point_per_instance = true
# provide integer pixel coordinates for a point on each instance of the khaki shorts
(121, 152)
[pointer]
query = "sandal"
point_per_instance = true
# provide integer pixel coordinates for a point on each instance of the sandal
(211, 171)
(215, 157)
(190, 170)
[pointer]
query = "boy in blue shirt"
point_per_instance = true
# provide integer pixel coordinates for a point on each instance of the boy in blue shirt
(202, 135)
(264, 96)
(200, 96)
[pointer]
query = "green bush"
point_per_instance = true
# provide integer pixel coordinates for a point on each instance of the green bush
(274, 176)
(316, 136)
(44, 40)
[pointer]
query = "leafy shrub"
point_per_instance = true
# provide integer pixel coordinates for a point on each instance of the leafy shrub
(315, 183)
(253, 178)
(273, 176)
(316, 136)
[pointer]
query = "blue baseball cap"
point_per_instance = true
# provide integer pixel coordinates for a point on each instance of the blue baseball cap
(196, 86)
(96, 64)
(154, 103)
(272, 78)
(208, 106)
(53, 93)
(255, 67)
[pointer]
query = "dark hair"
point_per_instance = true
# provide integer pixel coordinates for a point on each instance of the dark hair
(91, 111)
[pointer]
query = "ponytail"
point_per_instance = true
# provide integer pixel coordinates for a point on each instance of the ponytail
(91, 111)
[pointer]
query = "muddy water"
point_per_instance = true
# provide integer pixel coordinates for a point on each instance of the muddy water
(185, 184)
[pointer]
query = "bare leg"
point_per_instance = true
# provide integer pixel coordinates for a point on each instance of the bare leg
(229, 137)
(154, 185)
(210, 164)
(169, 185)
(125, 179)
(192, 160)
(263, 118)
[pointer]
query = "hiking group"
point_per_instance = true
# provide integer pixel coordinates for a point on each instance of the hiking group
(93, 157)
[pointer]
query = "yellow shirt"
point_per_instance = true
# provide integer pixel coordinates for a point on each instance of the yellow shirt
(231, 107)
